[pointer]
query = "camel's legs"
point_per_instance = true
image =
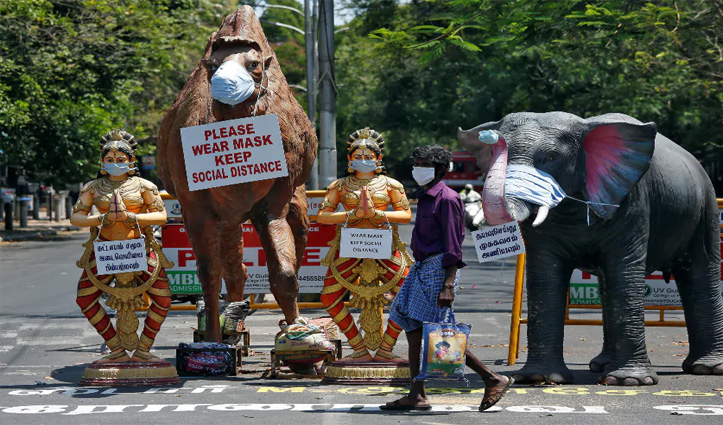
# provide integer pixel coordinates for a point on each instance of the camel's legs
(202, 233)
(234, 270)
(299, 222)
(277, 239)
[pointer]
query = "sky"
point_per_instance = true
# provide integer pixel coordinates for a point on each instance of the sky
(342, 14)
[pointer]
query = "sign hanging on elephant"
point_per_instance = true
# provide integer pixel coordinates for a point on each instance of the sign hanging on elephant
(234, 151)
(497, 242)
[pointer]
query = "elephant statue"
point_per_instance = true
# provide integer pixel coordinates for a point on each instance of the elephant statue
(610, 196)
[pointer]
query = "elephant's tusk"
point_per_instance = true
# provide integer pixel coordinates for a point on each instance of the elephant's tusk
(541, 215)
(479, 218)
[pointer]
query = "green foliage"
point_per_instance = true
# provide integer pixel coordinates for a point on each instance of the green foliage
(465, 62)
(71, 70)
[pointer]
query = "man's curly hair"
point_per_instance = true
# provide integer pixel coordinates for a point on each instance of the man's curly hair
(435, 154)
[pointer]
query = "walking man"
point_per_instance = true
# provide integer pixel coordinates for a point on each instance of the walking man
(432, 281)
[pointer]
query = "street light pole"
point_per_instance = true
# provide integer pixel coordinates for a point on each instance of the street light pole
(327, 93)
(310, 24)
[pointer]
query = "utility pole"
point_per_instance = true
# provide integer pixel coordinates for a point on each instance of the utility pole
(310, 19)
(327, 92)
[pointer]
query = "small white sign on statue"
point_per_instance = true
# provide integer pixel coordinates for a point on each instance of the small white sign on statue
(120, 256)
(366, 243)
(496, 242)
(234, 151)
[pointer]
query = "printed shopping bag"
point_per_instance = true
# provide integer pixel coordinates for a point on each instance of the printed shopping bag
(444, 348)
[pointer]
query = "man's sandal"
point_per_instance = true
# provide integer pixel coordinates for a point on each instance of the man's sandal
(494, 394)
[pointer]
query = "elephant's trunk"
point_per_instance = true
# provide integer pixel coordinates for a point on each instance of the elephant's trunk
(493, 201)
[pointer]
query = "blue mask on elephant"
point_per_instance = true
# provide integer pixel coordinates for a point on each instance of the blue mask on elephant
(231, 83)
(532, 185)
(363, 165)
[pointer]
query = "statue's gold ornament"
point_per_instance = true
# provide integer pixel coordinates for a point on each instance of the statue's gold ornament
(366, 194)
(128, 206)
(367, 285)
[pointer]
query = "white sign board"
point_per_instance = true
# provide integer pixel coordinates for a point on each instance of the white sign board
(496, 242)
(233, 151)
(120, 256)
(366, 243)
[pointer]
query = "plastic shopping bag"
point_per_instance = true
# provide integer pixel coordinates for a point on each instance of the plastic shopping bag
(206, 358)
(444, 348)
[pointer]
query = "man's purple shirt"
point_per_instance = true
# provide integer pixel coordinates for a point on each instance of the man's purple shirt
(439, 225)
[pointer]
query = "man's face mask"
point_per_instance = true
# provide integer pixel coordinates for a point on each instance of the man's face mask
(231, 83)
(117, 169)
(423, 175)
(363, 165)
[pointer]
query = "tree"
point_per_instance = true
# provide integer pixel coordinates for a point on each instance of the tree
(70, 70)
(463, 62)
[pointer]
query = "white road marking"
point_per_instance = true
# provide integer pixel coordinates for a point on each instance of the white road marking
(54, 326)
(63, 341)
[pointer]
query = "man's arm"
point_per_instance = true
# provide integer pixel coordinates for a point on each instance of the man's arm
(446, 295)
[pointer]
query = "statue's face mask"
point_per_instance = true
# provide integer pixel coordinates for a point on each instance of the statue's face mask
(231, 83)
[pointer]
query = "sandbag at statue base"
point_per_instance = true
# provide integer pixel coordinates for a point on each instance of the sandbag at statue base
(130, 374)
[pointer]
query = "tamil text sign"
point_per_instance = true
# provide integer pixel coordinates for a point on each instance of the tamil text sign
(120, 256)
(497, 242)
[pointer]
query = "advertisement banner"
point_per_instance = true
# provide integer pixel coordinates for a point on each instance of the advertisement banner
(233, 151)
(584, 287)
(183, 279)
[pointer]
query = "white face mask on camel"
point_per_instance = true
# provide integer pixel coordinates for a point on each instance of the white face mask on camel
(231, 83)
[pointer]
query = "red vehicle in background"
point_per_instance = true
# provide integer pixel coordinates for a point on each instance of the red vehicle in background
(464, 171)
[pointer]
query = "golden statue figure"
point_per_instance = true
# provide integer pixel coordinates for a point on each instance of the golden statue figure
(128, 206)
(366, 193)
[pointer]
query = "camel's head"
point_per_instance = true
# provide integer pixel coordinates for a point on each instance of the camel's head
(237, 59)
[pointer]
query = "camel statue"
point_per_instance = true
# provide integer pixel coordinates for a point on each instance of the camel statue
(276, 207)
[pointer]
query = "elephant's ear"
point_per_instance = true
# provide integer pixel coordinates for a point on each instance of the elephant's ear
(470, 142)
(618, 149)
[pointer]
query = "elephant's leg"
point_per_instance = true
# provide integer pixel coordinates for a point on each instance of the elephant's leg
(298, 220)
(230, 238)
(202, 233)
(277, 239)
(548, 279)
(624, 289)
(599, 362)
(698, 280)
